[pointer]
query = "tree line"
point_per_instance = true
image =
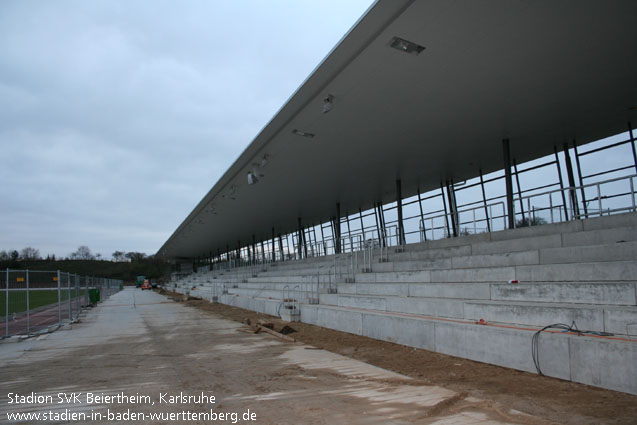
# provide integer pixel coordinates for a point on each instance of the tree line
(123, 265)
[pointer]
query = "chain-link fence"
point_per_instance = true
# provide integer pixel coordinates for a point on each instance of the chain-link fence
(33, 300)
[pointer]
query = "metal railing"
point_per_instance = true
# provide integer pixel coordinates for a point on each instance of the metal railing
(462, 225)
(32, 301)
(542, 207)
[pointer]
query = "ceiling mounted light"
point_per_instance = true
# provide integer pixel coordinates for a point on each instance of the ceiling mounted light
(303, 133)
(328, 103)
(405, 46)
(252, 178)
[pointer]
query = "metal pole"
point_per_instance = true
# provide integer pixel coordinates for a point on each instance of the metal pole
(399, 209)
(571, 181)
(632, 144)
(349, 233)
(378, 227)
(273, 249)
(444, 206)
(6, 309)
(422, 216)
(299, 239)
(581, 179)
(68, 280)
(517, 182)
(383, 227)
(452, 209)
(509, 184)
(59, 299)
(484, 201)
(337, 230)
(559, 174)
(28, 305)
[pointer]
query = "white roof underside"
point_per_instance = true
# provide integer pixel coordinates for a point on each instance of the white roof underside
(539, 73)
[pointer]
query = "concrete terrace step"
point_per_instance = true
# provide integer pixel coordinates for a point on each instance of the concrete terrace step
(614, 319)
(600, 293)
(604, 362)
(601, 318)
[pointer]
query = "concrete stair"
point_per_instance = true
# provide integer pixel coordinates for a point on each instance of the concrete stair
(432, 295)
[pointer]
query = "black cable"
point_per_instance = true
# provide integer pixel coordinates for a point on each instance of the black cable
(535, 353)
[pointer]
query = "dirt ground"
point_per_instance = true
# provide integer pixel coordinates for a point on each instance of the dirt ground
(551, 399)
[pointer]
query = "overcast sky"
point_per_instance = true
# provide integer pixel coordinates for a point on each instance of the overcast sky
(117, 117)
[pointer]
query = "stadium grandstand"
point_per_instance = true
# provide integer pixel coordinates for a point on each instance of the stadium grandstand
(453, 176)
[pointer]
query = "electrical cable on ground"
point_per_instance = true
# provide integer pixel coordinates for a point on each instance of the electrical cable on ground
(535, 353)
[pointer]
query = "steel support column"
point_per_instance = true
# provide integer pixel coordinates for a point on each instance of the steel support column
(273, 250)
(399, 210)
(301, 240)
(383, 227)
(517, 182)
(508, 182)
(484, 201)
(632, 145)
(453, 212)
(444, 206)
(581, 179)
(559, 175)
(380, 239)
(571, 182)
(281, 248)
(337, 229)
(422, 217)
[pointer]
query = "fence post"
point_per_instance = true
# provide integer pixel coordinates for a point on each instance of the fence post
(28, 306)
(70, 295)
(59, 300)
(6, 311)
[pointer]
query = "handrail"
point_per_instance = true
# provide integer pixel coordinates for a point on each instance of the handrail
(572, 199)
(473, 210)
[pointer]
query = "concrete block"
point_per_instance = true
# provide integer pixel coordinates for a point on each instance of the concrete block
(431, 254)
(583, 254)
(616, 220)
(395, 289)
(513, 245)
(328, 299)
(497, 260)
(341, 320)
(411, 332)
(403, 266)
(494, 274)
(604, 364)
(586, 293)
(599, 237)
(369, 303)
(309, 314)
(474, 291)
(534, 231)
(426, 307)
(610, 270)
(403, 277)
(502, 347)
(620, 320)
(536, 314)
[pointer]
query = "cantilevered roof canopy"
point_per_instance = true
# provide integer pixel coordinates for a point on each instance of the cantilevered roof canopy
(539, 73)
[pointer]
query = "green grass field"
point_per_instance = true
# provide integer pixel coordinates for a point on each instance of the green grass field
(39, 298)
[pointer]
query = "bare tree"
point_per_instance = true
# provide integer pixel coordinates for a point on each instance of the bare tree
(119, 256)
(135, 256)
(30, 253)
(83, 253)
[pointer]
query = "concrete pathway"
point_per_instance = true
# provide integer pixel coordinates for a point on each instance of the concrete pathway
(151, 353)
